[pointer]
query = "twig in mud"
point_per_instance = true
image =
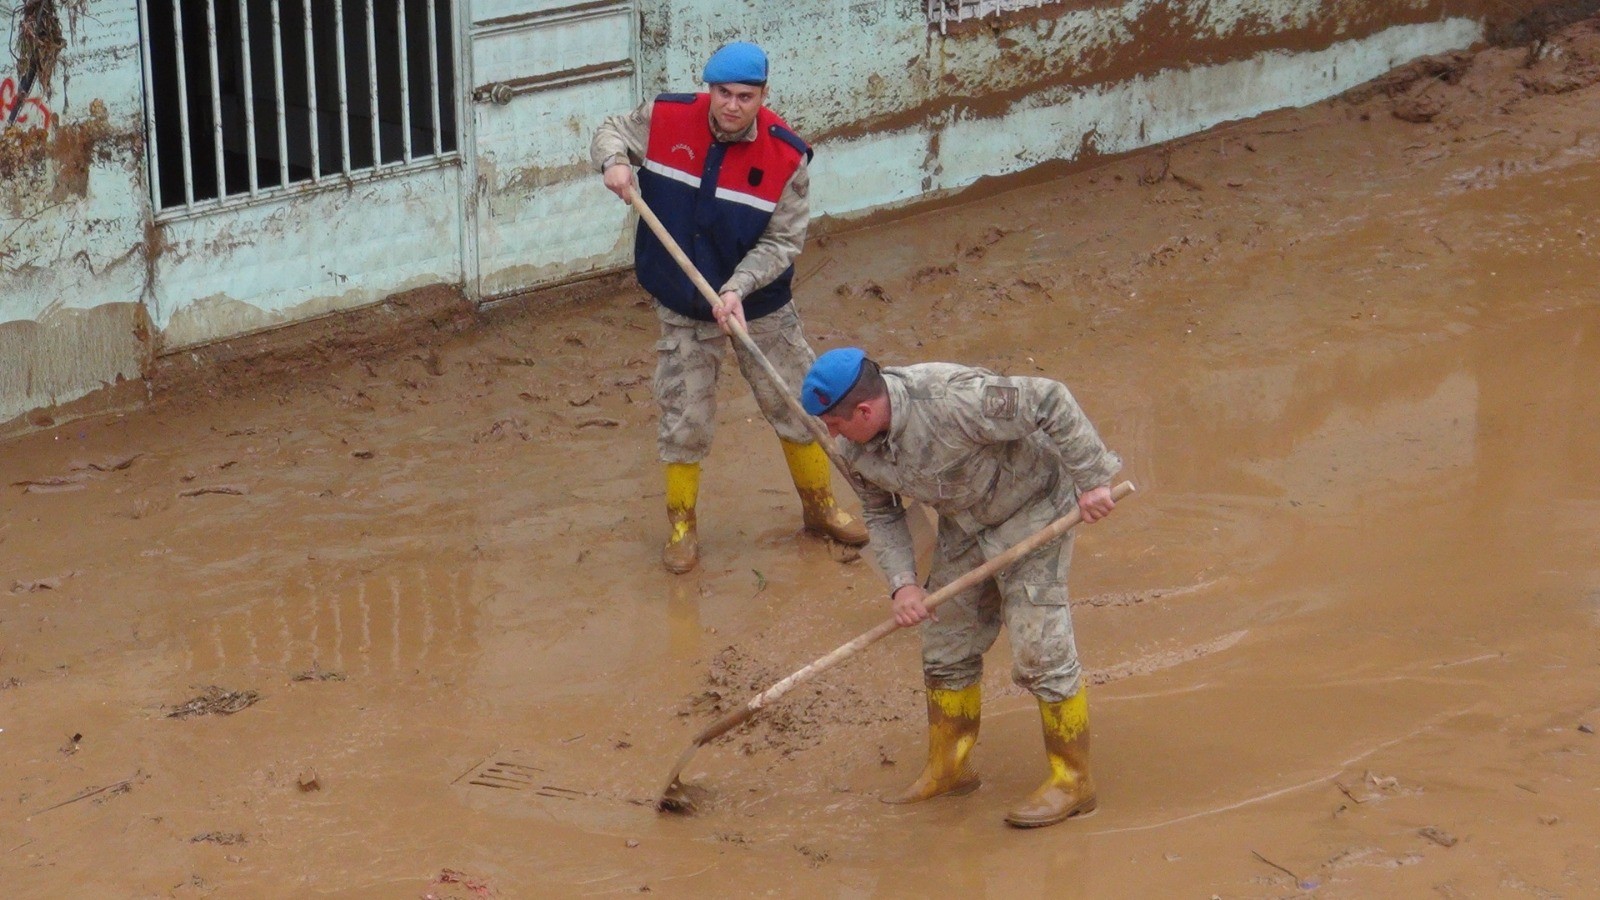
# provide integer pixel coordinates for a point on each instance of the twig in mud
(122, 785)
(1276, 866)
(472, 768)
(1346, 791)
(801, 279)
(1189, 183)
(237, 490)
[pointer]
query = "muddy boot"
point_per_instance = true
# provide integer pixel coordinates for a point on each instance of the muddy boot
(1069, 791)
(808, 464)
(683, 545)
(952, 730)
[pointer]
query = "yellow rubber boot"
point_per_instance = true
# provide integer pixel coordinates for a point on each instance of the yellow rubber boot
(952, 730)
(808, 464)
(1069, 791)
(683, 545)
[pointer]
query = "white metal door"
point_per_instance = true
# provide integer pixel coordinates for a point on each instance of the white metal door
(543, 74)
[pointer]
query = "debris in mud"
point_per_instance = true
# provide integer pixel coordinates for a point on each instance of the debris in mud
(64, 482)
(236, 490)
(502, 429)
(478, 886)
(1438, 836)
(1586, 728)
(362, 454)
(599, 422)
(71, 746)
(816, 856)
(307, 781)
(804, 718)
(9, 683)
(843, 553)
(864, 290)
(1449, 68)
(102, 794)
(51, 583)
(225, 838)
(114, 464)
(215, 701)
(317, 673)
(929, 273)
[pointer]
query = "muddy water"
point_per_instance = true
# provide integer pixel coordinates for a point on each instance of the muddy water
(1350, 361)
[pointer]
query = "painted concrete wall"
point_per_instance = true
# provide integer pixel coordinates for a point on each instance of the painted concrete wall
(92, 285)
(73, 207)
(899, 112)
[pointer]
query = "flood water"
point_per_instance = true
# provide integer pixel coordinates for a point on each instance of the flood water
(1341, 642)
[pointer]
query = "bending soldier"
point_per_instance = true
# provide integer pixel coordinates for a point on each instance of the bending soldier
(998, 458)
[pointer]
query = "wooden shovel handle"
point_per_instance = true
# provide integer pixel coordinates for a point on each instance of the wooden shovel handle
(743, 337)
(1022, 548)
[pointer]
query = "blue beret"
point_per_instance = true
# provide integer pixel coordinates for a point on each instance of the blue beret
(831, 377)
(737, 63)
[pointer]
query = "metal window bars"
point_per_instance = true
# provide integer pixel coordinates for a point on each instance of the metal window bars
(944, 12)
(257, 98)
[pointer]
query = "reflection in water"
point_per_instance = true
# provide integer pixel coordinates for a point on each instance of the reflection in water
(683, 618)
(1509, 401)
(395, 619)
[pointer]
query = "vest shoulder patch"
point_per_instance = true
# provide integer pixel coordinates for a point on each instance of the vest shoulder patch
(675, 98)
(792, 139)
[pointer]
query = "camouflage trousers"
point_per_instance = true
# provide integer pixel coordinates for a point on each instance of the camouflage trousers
(688, 361)
(1030, 599)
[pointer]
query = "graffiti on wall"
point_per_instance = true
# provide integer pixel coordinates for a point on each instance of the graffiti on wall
(36, 45)
(18, 110)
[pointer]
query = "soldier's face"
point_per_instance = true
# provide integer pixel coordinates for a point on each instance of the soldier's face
(735, 105)
(858, 427)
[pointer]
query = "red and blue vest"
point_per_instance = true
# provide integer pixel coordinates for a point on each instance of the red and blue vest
(714, 198)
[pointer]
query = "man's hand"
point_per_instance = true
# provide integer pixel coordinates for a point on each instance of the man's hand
(732, 308)
(619, 181)
(1096, 504)
(910, 606)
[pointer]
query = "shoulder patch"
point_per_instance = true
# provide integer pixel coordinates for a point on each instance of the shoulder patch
(1000, 401)
(792, 139)
(675, 98)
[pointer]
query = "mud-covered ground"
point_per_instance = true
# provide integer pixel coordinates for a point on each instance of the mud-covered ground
(395, 628)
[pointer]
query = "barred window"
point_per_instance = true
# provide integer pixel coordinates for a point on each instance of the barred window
(942, 12)
(246, 98)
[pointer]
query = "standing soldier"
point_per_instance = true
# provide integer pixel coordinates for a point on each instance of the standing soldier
(728, 179)
(998, 458)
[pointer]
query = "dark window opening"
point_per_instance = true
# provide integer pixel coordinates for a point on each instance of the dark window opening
(286, 116)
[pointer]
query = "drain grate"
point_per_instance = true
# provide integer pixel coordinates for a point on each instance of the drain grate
(504, 773)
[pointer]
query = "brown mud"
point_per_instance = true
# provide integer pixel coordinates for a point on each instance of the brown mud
(1342, 643)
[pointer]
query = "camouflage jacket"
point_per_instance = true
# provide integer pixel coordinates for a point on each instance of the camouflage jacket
(975, 446)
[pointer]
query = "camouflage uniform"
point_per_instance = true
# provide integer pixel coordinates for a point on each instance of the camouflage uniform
(998, 458)
(689, 354)
(688, 360)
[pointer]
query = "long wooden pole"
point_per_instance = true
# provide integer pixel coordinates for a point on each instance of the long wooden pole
(738, 331)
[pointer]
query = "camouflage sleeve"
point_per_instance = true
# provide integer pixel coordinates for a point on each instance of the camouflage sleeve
(1009, 409)
(886, 525)
(781, 242)
(622, 138)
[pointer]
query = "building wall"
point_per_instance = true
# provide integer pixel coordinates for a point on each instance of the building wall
(73, 206)
(94, 285)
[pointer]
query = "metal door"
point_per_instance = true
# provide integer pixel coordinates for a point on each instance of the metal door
(543, 73)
